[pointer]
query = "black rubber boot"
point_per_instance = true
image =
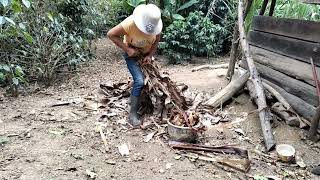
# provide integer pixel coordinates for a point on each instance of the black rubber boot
(133, 113)
(316, 170)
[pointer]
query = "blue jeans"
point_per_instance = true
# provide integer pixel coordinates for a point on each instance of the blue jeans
(137, 75)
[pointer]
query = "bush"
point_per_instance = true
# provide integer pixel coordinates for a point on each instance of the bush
(196, 35)
(45, 38)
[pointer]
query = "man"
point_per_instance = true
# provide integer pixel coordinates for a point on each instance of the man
(141, 33)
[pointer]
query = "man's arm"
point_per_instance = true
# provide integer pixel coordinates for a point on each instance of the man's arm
(153, 50)
(115, 35)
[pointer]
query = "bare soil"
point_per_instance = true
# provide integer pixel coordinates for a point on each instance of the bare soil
(38, 141)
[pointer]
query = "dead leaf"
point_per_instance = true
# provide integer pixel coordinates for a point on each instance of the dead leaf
(123, 150)
(149, 136)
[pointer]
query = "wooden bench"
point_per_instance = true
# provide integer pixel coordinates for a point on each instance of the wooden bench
(282, 50)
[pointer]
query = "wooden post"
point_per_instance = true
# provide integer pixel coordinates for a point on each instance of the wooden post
(235, 43)
(264, 112)
(273, 4)
(314, 125)
(234, 51)
(263, 8)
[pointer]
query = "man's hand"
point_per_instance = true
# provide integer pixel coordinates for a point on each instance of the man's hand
(147, 60)
(132, 52)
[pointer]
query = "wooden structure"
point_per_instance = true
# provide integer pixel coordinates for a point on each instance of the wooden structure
(283, 51)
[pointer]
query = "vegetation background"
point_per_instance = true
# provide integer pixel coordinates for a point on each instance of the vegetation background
(42, 40)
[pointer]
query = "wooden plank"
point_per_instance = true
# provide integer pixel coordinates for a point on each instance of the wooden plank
(291, 85)
(310, 1)
(299, 29)
(298, 49)
(289, 66)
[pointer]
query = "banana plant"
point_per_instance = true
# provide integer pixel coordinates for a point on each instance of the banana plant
(135, 3)
(172, 8)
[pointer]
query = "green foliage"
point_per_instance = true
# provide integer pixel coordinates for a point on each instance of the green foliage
(196, 35)
(47, 37)
(172, 8)
(135, 3)
(12, 76)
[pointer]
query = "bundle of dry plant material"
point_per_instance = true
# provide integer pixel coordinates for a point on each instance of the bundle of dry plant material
(160, 96)
(161, 92)
(184, 119)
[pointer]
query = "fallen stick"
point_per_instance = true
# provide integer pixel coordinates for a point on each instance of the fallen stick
(228, 92)
(314, 126)
(104, 140)
(61, 104)
(242, 165)
(264, 112)
(202, 67)
(217, 149)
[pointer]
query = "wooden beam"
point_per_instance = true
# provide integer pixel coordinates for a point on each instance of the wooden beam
(299, 29)
(300, 106)
(289, 66)
(259, 96)
(290, 47)
(228, 92)
(291, 85)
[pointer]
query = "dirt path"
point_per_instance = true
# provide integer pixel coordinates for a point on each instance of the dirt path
(42, 142)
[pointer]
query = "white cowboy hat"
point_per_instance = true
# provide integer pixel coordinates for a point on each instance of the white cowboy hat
(148, 19)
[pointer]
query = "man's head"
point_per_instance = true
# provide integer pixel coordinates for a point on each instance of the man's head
(148, 19)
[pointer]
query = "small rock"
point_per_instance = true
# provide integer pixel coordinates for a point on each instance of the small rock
(123, 149)
(91, 174)
(300, 162)
(177, 157)
(161, 171)
(169, 165)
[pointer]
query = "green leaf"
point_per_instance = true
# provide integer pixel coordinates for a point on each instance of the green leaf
(19, 71)
(258, 177)
(28, 37)
(22, 26)
(4, 2)
(2, 77)
(2, 20)
(16, 6)
(49, 15)
(177, 17)
(26, 3)
(187, 4)
(15, 81)
(10, 21)
(135, 3)
(5, 67)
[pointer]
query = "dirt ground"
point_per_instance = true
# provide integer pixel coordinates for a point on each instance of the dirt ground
(42, 142)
